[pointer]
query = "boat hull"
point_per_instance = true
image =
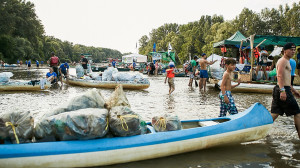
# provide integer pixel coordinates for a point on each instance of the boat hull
(253, 124)
(108, 85)
(254, 88)
(23, 87)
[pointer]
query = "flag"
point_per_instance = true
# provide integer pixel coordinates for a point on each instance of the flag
(154, 47)
(169, 48)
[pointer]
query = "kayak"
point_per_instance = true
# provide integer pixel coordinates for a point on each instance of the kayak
(33, 85)
(254, 87)
(252, 124)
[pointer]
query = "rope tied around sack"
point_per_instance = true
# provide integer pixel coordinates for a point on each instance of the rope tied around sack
(162, 123)
(122, 118)
(14, 130)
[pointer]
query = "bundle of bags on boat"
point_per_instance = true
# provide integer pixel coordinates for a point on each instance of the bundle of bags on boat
(166, 122)
(112, 74)
(89, 116)
(16, 126)
(86, 116)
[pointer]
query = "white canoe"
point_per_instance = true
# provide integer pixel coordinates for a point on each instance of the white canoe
(250, 125)
(24, 86)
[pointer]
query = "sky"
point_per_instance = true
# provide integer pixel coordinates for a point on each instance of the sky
(119, 24)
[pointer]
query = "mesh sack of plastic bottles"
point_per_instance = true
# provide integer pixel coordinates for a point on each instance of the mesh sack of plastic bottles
(16, 126)
(166, 123)
(117, 98)
(124, 122)
(90, 99)
(81, 124)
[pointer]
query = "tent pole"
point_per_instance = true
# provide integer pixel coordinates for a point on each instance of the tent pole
(241, 51)
(251, 47)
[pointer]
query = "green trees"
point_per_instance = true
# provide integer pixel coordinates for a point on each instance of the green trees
(22, 37)
(198, 37)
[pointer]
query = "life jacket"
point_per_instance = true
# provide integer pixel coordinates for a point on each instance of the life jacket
(170, 73)
(256, 52)
(54, 61)
(223, 49)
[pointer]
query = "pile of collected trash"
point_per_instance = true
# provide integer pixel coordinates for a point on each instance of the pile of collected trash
(112, 74)
(5, 76)
(5, 81)
(86, 116)
(166, 122)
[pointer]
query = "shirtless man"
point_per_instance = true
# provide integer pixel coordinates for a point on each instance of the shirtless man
(226, 99)
(283, 99)
(203, 71)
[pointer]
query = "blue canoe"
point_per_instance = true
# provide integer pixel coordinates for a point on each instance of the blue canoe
(250, 125)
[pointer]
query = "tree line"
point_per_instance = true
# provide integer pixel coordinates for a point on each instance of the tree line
(198, 37)
(22, 37)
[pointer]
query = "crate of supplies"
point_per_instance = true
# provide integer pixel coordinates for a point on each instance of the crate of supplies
(245, 77)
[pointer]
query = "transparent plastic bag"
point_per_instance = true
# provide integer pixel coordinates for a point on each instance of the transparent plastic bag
(90, 99)
(17, 126)
(124, 122)
(117, 98)
(166, 123)
(83, 124)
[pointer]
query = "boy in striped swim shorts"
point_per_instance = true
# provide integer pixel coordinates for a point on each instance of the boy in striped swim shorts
(226, 99)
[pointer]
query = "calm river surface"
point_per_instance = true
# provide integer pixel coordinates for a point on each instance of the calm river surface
(280, 149)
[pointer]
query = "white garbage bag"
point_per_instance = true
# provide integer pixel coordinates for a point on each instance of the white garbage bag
(5, 76)
(79, 71)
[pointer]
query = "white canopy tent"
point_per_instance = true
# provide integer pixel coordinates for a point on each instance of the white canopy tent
(136, 57)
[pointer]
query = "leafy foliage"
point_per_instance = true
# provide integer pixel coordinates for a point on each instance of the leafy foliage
(198, 37)
(22, 37)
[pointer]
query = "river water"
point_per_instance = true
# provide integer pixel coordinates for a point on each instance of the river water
(281, 148)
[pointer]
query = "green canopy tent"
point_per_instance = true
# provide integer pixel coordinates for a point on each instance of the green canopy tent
(275, 40)
(232, 41)
(265, 40)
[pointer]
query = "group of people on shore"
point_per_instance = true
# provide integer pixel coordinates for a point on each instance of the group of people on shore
(283, 101)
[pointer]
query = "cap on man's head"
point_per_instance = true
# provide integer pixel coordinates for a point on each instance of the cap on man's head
(195, 57)
(172, 66)
(65, 64)
(289, 46)
(203, 54)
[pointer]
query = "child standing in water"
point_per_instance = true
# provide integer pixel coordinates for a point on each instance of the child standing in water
(227, 101)
(170, 76)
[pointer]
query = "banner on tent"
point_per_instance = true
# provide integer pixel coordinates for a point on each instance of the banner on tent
(127, 60)
(156, 56)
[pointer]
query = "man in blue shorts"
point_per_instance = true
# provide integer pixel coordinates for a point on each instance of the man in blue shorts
(283, 99)
(203, 71)
(64, 71)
